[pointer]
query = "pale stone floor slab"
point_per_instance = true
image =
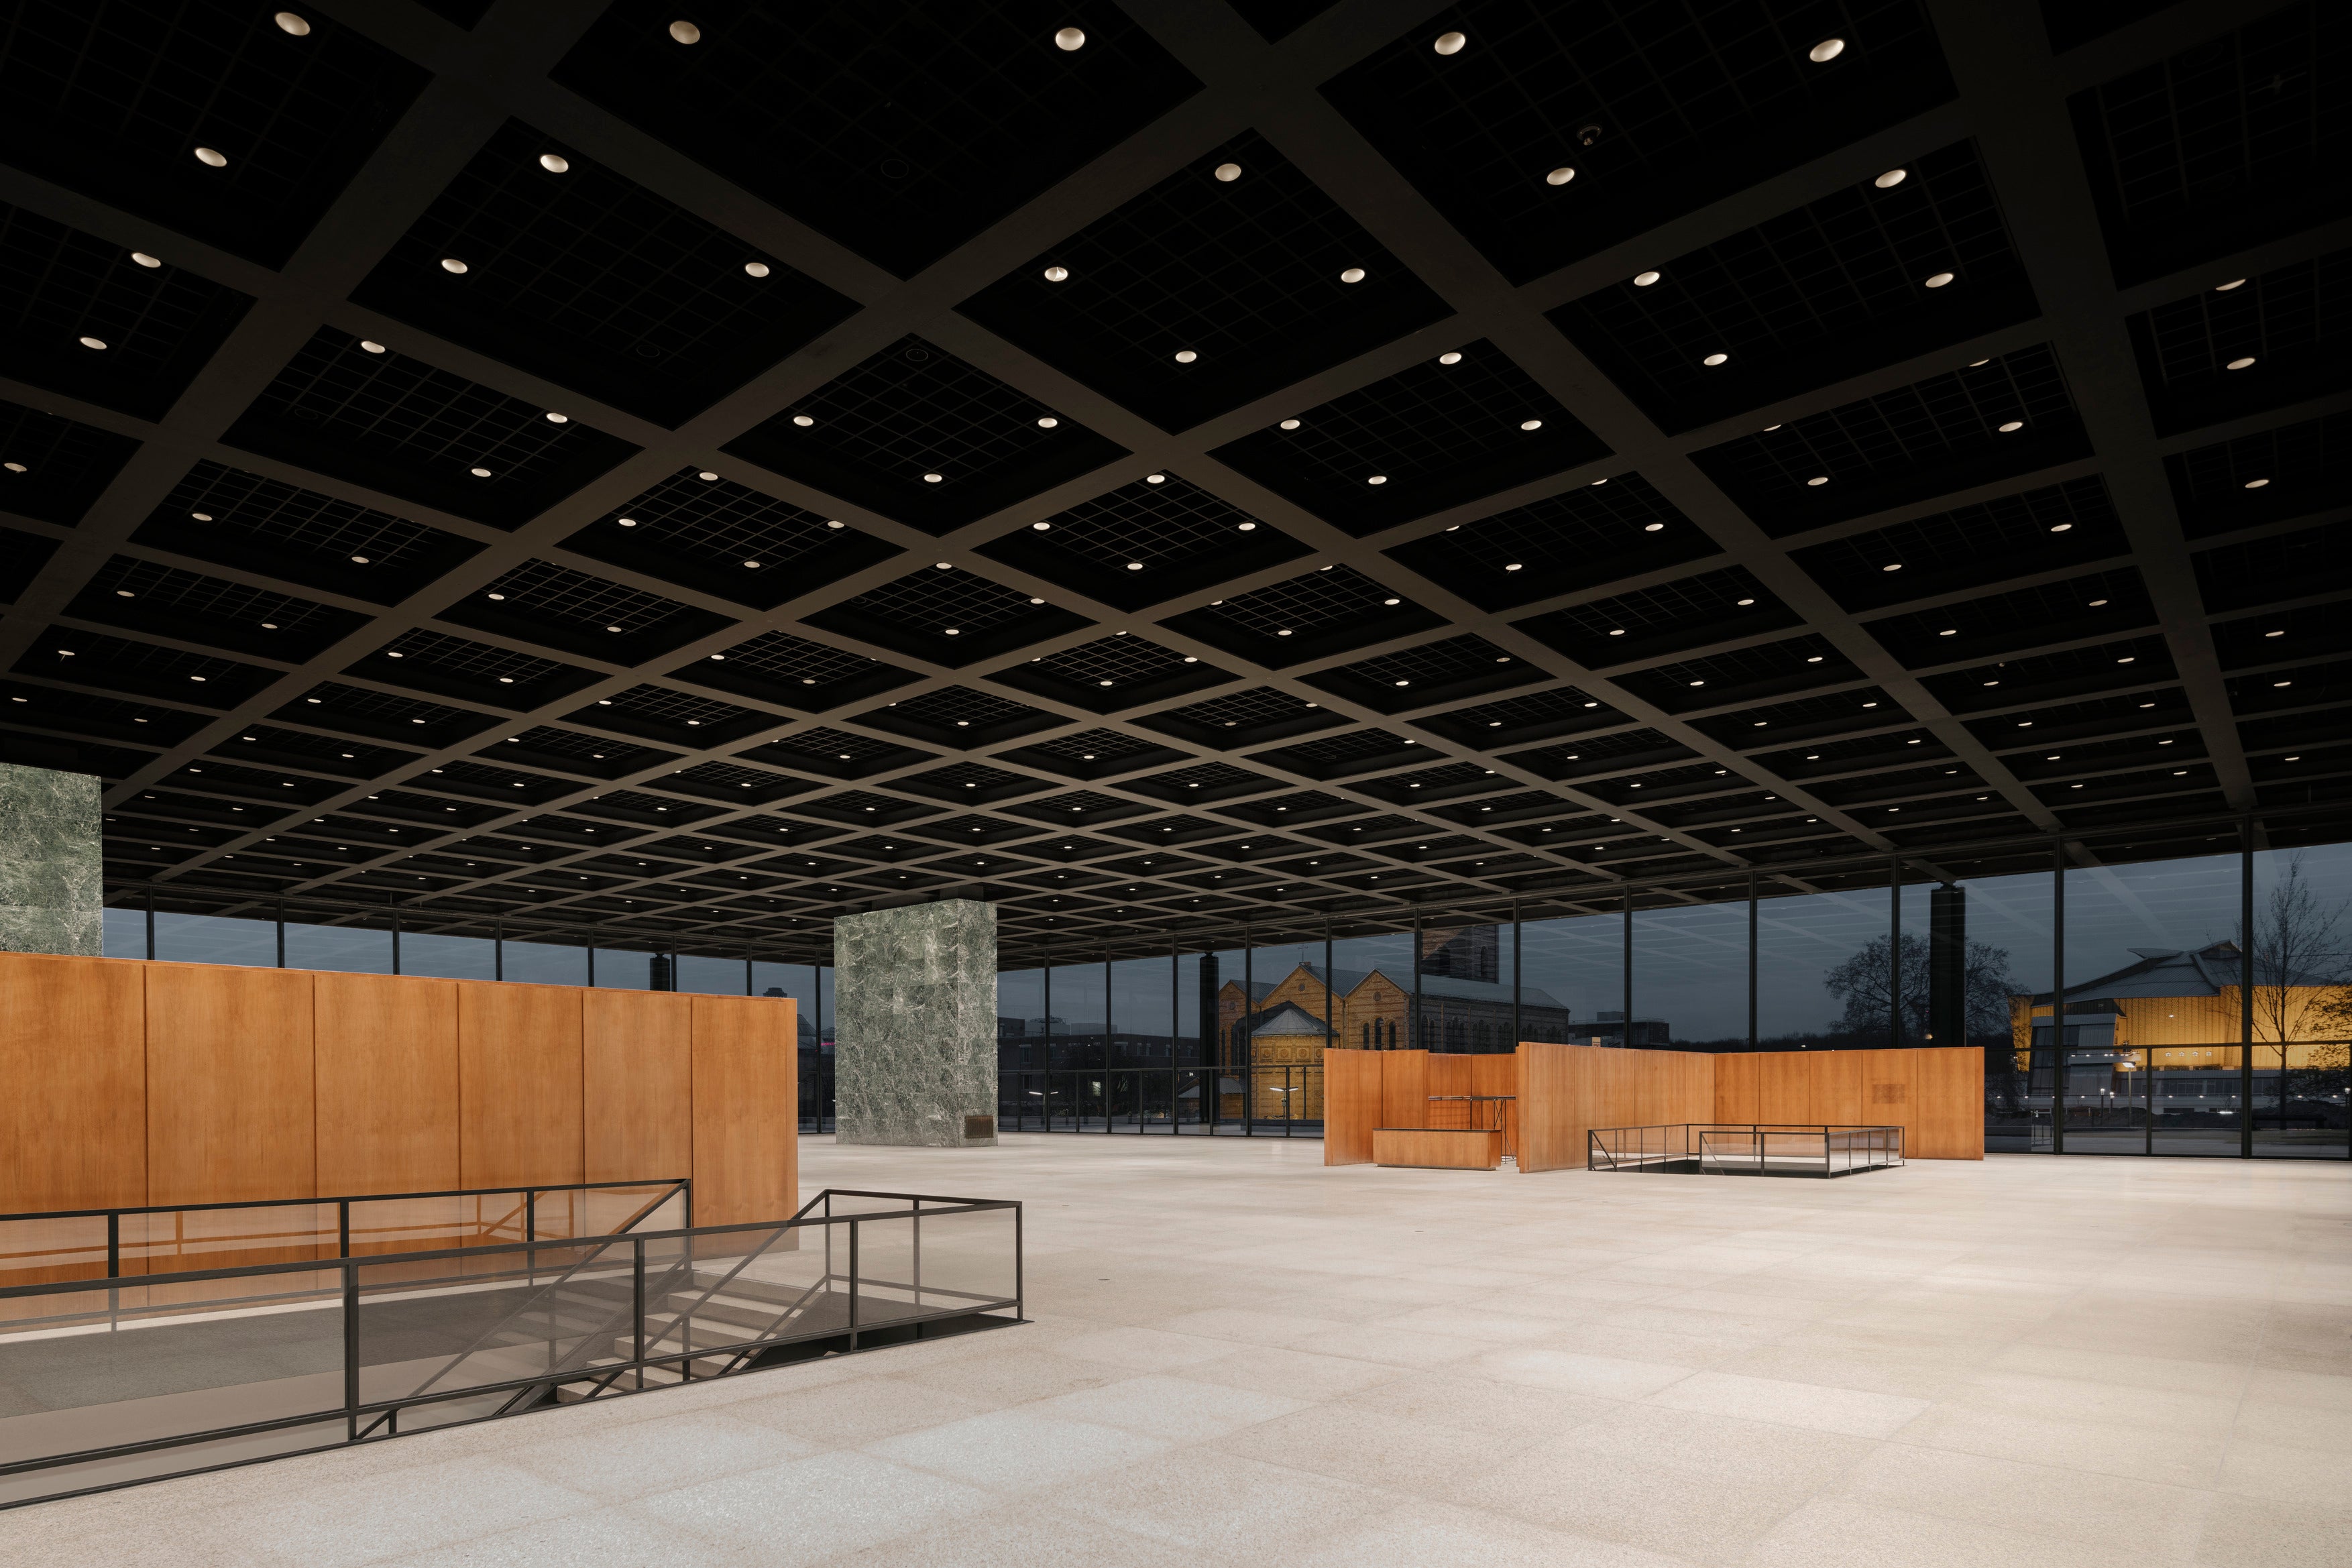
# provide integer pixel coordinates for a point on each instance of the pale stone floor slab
(1240, 1357)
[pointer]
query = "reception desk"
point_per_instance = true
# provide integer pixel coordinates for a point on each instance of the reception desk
(1438, 1148)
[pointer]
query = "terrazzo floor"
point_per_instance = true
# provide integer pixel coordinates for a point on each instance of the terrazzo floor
(1239, 1357)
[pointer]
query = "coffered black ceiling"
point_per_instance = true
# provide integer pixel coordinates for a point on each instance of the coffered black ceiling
(1168, 467)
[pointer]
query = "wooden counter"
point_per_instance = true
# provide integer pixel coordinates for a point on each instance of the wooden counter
(1437, 1148)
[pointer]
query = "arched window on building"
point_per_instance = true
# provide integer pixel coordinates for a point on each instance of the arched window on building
(1367, 1037)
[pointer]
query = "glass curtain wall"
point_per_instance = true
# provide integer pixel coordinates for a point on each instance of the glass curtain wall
(2002, 928)
(1690, 976)
(2301, 1072)
(2147, 1046)
(1572, 979)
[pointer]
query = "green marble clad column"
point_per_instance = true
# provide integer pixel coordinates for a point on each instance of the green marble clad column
(52, 862)
(914, 1025)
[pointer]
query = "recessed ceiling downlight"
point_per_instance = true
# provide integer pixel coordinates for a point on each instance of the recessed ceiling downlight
(1937, 279)
(292, 24)
(1892, 178)
(144, 259)
(1056, 274)
(755, 268)
(1449, 43)
(685, 32)
(450, 264)
(2241, 362)
(555, 163)
(211, 159)
(1070, 40)
(1644, 279)
(1229, 173)
(1352, 275)
(1825, 52)
(1559, 176)
(1714, 359)
(1186, 356)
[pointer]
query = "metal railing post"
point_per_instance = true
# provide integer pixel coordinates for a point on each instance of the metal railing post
(853, 1282)
(351, 1350)
(918, 1254)
(637, 1310)
(342, 1227)
(113, 1270)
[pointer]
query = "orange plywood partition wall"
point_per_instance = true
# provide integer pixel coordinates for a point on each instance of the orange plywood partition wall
(518, 1084)
(232, 1112)
(1550, 1089)
(73, 1072)
(1948, 1103)
(1404, 1089)
(1934, 1093)
(746, 1110)
(385, 1053)
(1351, 1105)
(636, 1062)
(126, 1083)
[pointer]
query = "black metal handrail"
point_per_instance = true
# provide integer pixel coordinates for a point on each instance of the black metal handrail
(527, 1211)
(370, 1419)
(1682, 1146)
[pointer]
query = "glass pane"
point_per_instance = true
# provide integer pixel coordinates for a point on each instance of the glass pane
(1078, 1023)
(1822, 969)
(1196, 998)
(215, 938)
(2151, 966)
(1021, 1019)
(363, 945)
(1572, 979)
(709, 976)
(546, 963)
(1229, 1031)
(2303, 1002)
(624, 969)
(126, 931)
(1371, 1005)
(1142, 1010)
(2004, 929)
(825, 1010)
(448, 957)
(1465, 991)
(1690, 976)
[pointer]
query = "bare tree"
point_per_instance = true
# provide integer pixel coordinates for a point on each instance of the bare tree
(2301, 980)
(1860, 983)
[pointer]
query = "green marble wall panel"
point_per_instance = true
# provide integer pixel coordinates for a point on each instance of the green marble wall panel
(915, 1024)
(52, 862)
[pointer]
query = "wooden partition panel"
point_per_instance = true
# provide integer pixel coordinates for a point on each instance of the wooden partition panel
(637, 1054)
(73, 1089)
(231, 1107)
(1351, 1105)
(1551, 1105)
(518, 1084)
(1495, 1073)
(1948, 1103)
(1784, 1087)
(387, 1064)
(1839, 1094)
(746, 1110)
(1737, 1076)
(1449, 1072)
(1404, 1089)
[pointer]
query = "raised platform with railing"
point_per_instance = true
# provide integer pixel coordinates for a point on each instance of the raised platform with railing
(133, 1372)
(1745, 1148)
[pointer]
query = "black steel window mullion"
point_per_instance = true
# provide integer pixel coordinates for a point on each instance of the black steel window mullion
(150, 919)
(1894, 950)
(1625, 1034)
(1248, 1027)
(1175, 1022)
(1106, 1041)
(2057, 998)
(281, 932)
(1417, 1035)
(2246, 998)
(1751, 960)
(1518, 1029)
